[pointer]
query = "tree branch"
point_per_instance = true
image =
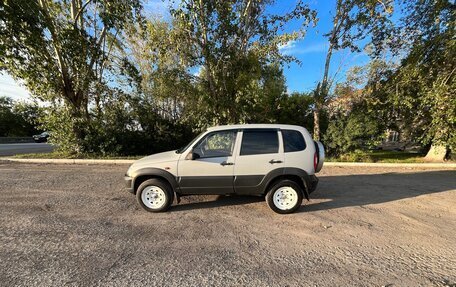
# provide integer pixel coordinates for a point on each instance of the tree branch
(383, 4)
(80, 12)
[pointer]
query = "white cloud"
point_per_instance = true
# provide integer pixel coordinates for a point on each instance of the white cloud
(299, 48)
(10, 88)
(287, 46)
(314, 48)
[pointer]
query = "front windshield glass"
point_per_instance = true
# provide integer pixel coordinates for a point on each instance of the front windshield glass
(182, 149)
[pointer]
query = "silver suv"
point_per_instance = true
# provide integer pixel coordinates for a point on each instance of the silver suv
(279, 161)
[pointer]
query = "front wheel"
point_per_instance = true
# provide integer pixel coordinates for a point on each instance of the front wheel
(284, 197)
(155, 195)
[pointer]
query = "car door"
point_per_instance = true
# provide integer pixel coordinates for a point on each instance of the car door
(259, 153)
(211, 169)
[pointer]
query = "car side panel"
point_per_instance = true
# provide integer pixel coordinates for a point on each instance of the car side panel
(254, 184)
(206, 185)
(257, 184)
(302, 159)
(250, 171)
(207, 175)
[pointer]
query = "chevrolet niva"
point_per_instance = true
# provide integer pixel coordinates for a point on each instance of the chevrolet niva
(278, 161)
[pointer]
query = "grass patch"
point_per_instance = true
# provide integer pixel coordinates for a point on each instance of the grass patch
(380, 156)
(62, 155)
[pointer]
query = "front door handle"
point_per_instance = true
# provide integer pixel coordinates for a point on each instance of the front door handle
(272, 161)
(226, 163)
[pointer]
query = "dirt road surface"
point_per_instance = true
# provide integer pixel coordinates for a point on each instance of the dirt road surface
(74, 225)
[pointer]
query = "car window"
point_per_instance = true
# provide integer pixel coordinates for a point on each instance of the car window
(182, 149)
(216, 144)
(259, 142)
(293, 141)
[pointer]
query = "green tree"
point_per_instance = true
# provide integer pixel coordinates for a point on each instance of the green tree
(296, 109)
(423, 88)
(61, 50)
(354, 20)
(160, 71)
(7, 117)
(232, 43)
(17, 119)
(354, 130)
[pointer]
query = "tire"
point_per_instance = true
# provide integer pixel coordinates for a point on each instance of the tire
(284, 196)
(155, 195)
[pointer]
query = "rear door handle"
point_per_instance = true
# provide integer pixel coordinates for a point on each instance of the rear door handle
(226, 163)
(272, 161)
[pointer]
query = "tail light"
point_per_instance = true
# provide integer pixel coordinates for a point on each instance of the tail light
(315, 161)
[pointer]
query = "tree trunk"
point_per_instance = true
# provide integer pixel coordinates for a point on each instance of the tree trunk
(436, 153)
(316, 130)
(322, 90)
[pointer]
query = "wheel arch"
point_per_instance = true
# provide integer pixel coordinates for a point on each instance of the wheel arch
(295, 174)
(144, 174)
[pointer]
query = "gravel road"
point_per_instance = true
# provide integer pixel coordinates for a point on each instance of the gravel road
(74, 225)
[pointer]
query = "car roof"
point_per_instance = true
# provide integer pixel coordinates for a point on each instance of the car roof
(255, 126)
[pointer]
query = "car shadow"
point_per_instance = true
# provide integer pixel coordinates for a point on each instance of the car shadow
(340, 191)
(219, 201)
(358, 190)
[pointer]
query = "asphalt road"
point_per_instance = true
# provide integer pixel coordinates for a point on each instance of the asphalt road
(21, 148)
(75, 225)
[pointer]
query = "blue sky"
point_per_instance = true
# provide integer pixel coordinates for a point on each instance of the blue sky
(311, 50)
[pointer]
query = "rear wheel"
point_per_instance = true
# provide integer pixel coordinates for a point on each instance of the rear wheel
(154, 195)
(284, 197)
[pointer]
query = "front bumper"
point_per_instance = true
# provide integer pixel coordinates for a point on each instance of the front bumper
(129, 184)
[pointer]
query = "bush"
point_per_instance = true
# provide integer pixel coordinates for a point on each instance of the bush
(355, 131)
(125, 128)
(17, 119)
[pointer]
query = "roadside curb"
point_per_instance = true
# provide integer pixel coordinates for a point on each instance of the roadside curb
(130, 161)
(390, 164)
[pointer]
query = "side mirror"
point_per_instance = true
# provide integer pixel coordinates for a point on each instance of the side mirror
(192, 156)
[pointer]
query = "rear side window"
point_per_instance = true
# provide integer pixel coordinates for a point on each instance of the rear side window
(293, 141)
(259, 142)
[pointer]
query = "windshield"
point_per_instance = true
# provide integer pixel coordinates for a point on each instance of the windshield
(182, 149)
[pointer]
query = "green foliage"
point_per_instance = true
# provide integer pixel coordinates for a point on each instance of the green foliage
(61, 50)
(7, 117)
(57, 120)
(115, 83)
(379, 156)
(353, 131)
(234, 44)
(353, 21)
(422, 89)
(423, 92)
(296, 109)
(17, 119)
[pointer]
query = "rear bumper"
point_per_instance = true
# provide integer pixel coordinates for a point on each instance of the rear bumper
(129, 184)
(313, 182)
